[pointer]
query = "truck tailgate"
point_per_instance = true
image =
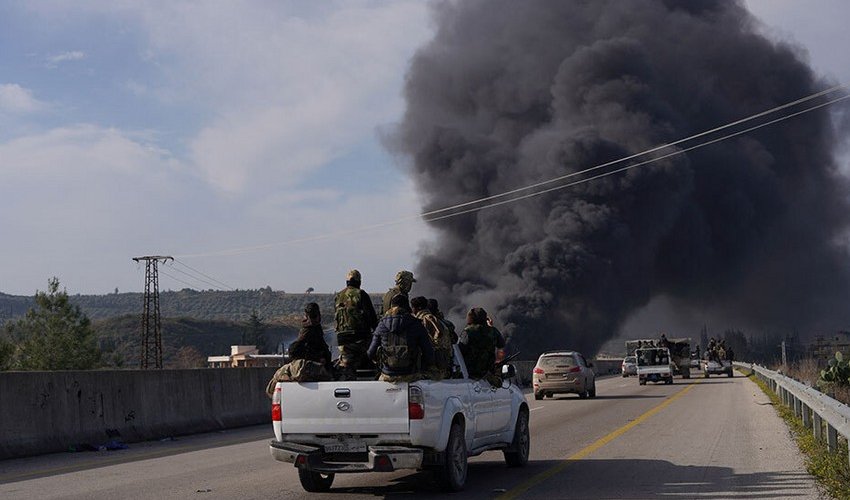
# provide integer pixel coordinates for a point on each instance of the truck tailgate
(357, 407)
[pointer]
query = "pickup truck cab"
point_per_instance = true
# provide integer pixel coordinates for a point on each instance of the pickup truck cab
(654, 365)
(328, 428)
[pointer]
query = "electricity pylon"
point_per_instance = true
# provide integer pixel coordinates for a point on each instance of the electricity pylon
(151, 355)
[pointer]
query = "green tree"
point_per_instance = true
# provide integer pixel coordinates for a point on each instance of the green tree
(252, 333)
(54, 335)
(7, 351)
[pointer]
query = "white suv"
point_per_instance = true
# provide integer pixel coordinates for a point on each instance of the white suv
(563, 372)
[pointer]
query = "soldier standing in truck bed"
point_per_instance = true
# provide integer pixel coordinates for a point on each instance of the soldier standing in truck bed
(355, 318)
(403, 283)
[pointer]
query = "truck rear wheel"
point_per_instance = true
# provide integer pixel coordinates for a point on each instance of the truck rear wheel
(315, 482)
(517, 454)
(452, 476)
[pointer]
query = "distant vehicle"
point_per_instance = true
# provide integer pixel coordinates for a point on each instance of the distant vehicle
(629, 366)
(680, 351)
(563, 372)
(717, 367)
(654, 365)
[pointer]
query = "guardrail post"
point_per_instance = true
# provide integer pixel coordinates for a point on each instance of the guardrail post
(831, 438)
(798, 407)
(807, 416)
(818, 426)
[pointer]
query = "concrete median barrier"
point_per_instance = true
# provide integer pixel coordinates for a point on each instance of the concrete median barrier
(42, 412)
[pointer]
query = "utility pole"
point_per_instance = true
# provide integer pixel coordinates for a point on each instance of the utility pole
(151, 355)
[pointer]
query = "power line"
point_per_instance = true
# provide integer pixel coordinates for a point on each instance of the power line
(177, 279)
(629, 167)
(426, 215)
(199, 280)
(187, 266)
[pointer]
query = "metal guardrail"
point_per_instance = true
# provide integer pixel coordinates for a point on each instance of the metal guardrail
(815, 408)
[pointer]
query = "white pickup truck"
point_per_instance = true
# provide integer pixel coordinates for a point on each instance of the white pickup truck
(328, 428)
(654, 365)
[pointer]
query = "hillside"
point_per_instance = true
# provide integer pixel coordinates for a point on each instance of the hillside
(187, 303)
(120, 338)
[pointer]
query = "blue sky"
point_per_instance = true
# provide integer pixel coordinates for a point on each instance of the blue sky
(129, 128)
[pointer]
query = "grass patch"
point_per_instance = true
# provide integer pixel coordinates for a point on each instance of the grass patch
(832, 470)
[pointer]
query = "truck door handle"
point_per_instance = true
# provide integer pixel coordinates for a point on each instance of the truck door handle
(342, 393)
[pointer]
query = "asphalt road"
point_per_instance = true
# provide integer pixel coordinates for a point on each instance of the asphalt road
(714, 438)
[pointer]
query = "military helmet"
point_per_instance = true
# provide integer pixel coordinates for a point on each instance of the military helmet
(353, 275)
(404, 276)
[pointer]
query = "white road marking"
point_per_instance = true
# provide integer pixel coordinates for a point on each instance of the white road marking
(538, 408)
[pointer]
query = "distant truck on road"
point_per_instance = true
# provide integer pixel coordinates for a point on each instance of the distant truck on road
(654, 365)
(680, 352)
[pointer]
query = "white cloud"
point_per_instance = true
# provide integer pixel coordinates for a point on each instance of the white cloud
(290, 86)
(18, 100)
(54, 60)
(279, 92)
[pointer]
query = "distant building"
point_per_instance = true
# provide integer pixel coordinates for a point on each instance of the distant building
(244, 356)
(825, 346)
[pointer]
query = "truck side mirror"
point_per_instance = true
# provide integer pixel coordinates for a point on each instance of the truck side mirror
(508, 371)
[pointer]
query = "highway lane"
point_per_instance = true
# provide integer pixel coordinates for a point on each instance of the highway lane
(715, 438)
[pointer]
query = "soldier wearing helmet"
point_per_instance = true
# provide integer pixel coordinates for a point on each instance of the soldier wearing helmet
(403, 283)
(355, 318)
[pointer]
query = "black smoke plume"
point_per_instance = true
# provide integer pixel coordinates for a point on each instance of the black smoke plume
(510, 93)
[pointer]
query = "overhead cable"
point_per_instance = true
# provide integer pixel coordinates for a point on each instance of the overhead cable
(426, 216)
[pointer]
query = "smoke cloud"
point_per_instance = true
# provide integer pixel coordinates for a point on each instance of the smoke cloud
(511, 93)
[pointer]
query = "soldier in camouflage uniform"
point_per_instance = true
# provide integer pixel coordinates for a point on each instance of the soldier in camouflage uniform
(434, 307)
(355, 318)
(309, 354)
(400, 344)
(478, 343)
(438, 333)
(403, 283)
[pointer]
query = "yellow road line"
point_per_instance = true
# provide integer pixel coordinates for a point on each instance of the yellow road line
(539, 478)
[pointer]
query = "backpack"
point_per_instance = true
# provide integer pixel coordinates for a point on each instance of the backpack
(348, 312)
(397, 355)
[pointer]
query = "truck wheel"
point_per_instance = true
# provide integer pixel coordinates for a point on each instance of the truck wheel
(730, 373)
(583, 394)
(315, 482)
(517, 454)
(538, 396)
(592, 391)
(452, 476)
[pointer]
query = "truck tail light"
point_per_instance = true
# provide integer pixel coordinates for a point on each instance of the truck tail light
(575, 369)
(277, 414)
(539, 371)
(415, 402)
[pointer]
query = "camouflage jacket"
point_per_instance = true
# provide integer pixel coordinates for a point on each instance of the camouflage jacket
(367, 312)
(392, 292)
(478, 344)
(438, 331)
